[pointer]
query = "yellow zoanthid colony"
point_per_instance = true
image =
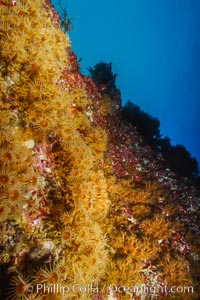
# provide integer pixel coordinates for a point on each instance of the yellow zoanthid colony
(79, 219)
(53, 192)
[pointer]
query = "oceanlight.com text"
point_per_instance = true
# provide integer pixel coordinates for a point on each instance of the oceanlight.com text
(144, 289)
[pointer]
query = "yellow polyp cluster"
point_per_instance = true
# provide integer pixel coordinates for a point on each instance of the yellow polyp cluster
(14, 169)
(83, 194)
(97, 139)
(64, 216)
(50, 174)
(80, 99)
(29, 21)
(138, 234)
(27, 33)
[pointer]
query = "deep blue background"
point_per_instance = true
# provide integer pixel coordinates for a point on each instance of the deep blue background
(154, 47)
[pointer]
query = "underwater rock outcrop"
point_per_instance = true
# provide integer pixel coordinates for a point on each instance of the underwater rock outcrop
(86, 212)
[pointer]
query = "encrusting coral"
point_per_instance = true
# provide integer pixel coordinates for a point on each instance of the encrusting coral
(80, 209)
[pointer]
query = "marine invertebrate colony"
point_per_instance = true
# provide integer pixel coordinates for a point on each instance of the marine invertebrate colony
(43, 165)
(79, 205)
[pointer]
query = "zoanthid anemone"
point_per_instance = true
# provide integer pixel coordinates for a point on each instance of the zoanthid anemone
(15, 194)
(66, 235)
(10, 154)
(92, 254)
(5, 178)
(60, 104)
(66, 218)
(5, 156)
(42, 124)
(19, 288)
(84, 233)
(50, 275)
